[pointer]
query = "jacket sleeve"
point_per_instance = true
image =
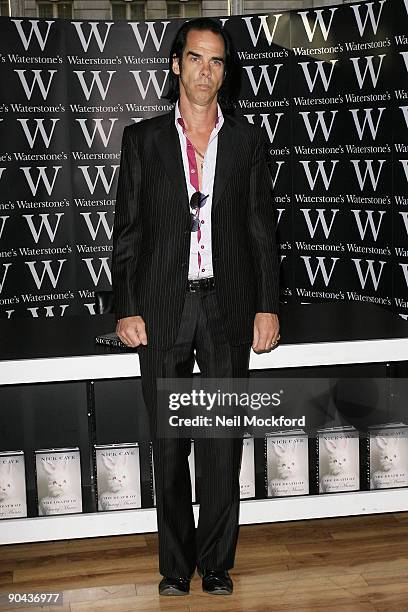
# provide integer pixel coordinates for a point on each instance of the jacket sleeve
(127, 230)
(262, 230)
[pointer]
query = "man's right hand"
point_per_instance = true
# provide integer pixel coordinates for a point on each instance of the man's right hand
(132, 331)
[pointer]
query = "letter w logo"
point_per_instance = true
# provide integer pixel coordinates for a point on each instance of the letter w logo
(47, 269)
(149, 32)
(96, 128)
(405, 57)
(6, 266)
(375, 229)
(101, 221)
(42, 176)
(325, 30)
(320, 71)
(152, 79)
(43, 223)
(320, 220)
(321, 170)
(404, 215)
(369, 67)
(103, 267)
(321, 267)
(36, 79)
(404, 163)
(42, 41)
(40, 128)
(264, 76)
(369, 13)
(320, 121)
(95, 79)
(369, 170)
(404, 267)
(100, 174)
(94, 32)
(369, 272)
(3, 223)
(274, 177)
(367, 119)
(404, 110)
(263, 25)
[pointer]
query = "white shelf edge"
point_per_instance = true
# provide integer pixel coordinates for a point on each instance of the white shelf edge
(125, 522)
(125, 365)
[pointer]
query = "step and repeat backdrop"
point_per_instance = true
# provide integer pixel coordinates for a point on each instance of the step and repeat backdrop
(328, 86)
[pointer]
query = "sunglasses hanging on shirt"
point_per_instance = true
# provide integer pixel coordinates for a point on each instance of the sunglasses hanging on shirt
(197, 201)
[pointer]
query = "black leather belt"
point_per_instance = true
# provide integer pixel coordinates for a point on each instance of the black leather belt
(201, 284)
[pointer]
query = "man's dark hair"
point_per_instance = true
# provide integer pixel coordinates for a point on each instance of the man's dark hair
(229, 90)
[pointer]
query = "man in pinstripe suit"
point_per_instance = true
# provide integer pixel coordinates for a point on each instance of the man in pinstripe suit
(195, 276)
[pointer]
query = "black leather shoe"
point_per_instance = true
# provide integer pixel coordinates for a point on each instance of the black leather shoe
(174, 586)
(216, 582)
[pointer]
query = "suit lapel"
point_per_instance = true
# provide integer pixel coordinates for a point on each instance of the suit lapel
(228, 142)
(168, 147)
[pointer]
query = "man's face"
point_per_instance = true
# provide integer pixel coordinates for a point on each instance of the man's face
(202, 69)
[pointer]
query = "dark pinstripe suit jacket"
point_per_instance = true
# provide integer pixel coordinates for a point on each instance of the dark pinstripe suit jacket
(151, 236)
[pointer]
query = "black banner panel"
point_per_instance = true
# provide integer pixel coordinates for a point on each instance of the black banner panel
(327, 85)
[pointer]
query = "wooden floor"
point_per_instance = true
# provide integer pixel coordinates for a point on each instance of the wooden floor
(347, 564)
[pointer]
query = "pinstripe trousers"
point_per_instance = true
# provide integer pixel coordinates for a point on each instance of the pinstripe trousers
(182, 546)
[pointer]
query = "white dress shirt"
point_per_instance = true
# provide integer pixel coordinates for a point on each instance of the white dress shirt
(200, 265)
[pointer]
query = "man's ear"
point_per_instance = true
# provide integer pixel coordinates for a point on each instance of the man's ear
(175, 65)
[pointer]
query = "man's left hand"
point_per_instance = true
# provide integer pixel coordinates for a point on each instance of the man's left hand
(266, 331)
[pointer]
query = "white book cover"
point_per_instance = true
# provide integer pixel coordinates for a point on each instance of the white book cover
(191, 463)
(58, 481)
(118, 476)
(287, 461)
(339, 460)
(247, 474)
(389, 457)
(13, 498)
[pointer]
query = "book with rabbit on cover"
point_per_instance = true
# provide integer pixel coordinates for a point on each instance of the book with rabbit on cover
(118, 476)
(286, 463)
(59, 488)
(247, 473)
(13, 495)
(385, 452)
(335, 459)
